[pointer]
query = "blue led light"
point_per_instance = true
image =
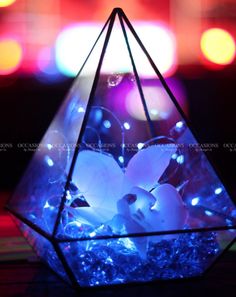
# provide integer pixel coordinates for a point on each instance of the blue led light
(229, 222)
(126, 125)
(179, 125)
(46, 205)
(233, 213)
(140, 145)
(98, 115)
(121, 159)
(81, 109)
(174, 156)
(107, 124)
(92, 234)
(195, 201)
(49, 161)
(68, 195)
(49, 146)
(154, 111)
(208, 213)
(218, 191)
(180, 159)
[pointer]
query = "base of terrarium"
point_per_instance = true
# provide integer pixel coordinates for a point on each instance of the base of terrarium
(117, 261)
(114, 262)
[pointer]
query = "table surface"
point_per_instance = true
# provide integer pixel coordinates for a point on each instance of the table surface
(23, 275)
(23, 278)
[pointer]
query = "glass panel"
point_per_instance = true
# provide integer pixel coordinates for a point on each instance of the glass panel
(190, 172)
(39, 193)
(108, 143)
(43, 249)
(133, 176)
(125, 260)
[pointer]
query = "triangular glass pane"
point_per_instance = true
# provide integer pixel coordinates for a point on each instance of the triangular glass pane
(44, 249)
(108, 141)
(38, 195)
(189, 171)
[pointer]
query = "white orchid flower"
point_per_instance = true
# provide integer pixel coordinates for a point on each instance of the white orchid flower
(135, 194)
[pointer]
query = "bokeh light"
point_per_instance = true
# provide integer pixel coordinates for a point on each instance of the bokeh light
(157, 101)
(46, 61)
(74, 43)
(48, 72)
(159, 104)
(5, 3)
(10, 56)
(218, 46)
(160, 43)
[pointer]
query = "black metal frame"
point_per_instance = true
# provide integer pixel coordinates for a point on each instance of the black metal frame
(53, 237)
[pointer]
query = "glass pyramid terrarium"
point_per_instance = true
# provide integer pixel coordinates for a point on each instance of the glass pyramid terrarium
(108, 199)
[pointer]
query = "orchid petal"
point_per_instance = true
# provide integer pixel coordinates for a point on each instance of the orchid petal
(123, 206)
(99, 178)
(169, 212)
(144, 202)
(138, 206)
(160, 210)
(147, 166)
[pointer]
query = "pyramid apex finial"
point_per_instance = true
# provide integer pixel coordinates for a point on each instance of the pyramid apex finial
(117, 10)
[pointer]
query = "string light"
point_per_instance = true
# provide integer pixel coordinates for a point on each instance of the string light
(140, 145)
(49, 161)
(126, 125)
(195, 201)
(107, 124)
(218, 191)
